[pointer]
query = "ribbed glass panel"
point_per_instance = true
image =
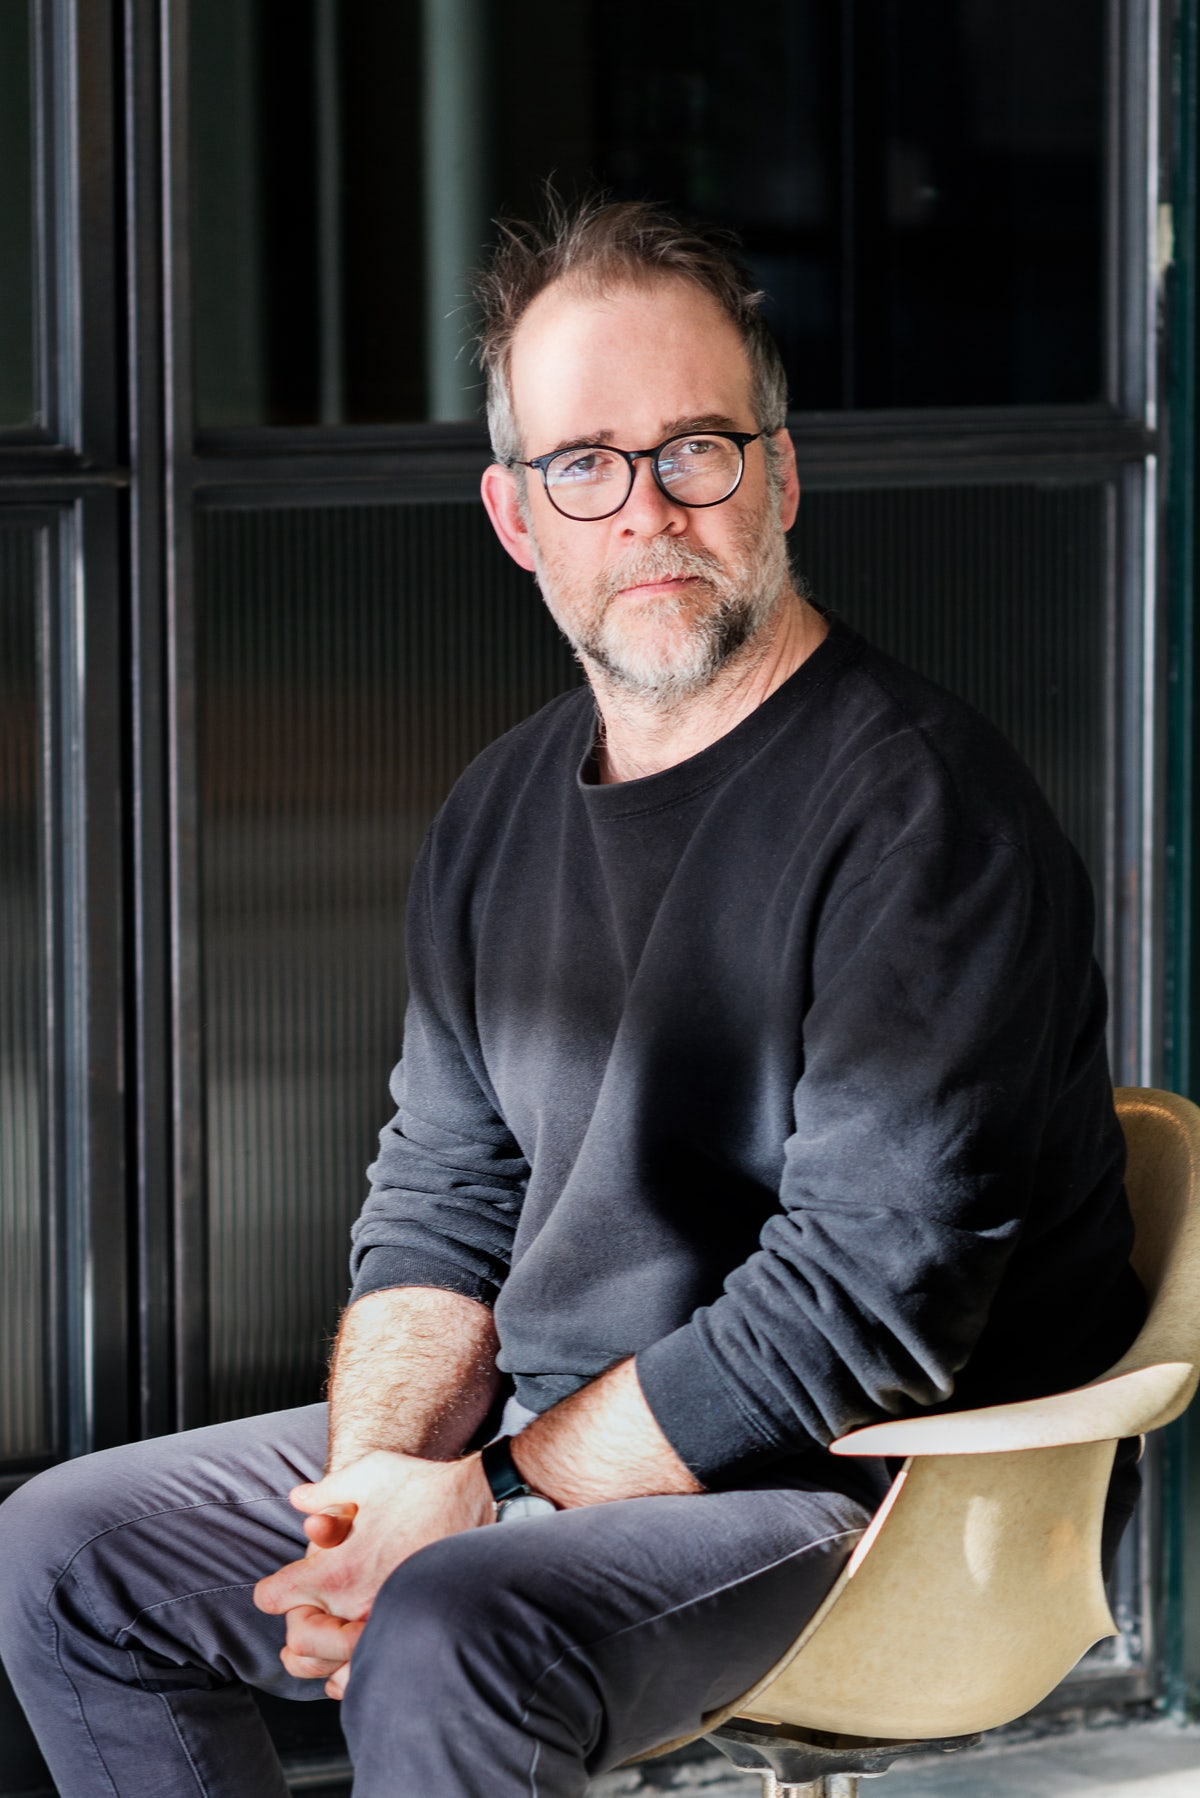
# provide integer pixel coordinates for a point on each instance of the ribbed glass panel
(352, 660)
(24, 1424)
(17, 398)
(998, 593)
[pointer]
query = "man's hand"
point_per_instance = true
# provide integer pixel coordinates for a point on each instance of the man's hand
(319, 1647)
(362, 1522)
(364, 1519)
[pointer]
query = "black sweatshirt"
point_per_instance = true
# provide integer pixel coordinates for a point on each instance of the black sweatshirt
(783, 1069)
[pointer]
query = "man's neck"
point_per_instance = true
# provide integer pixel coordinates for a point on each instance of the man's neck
(639, 737)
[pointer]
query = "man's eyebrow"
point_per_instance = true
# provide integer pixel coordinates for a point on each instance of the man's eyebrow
(674, 427)
(704, 421)
(602, 435)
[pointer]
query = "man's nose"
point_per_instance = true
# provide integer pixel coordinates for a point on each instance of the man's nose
(648, 512)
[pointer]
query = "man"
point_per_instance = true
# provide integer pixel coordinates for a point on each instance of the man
(754, 1087)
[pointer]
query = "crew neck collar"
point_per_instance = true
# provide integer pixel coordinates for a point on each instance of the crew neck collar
(709, 765)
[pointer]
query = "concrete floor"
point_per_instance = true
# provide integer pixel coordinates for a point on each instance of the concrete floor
(1130, 1760)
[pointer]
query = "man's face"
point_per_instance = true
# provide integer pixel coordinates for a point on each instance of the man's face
(660, 596)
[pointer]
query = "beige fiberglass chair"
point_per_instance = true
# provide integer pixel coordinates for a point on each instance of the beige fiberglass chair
(978, 1585)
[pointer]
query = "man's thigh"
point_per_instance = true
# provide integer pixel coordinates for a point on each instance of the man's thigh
(579, 1640)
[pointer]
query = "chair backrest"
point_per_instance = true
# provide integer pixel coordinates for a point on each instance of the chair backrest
(1162, 1178)
(978, 1585)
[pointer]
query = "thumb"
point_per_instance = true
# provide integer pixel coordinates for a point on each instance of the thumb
(327, 1496)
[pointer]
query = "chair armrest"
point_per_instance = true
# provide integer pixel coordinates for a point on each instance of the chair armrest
(1126, 1404)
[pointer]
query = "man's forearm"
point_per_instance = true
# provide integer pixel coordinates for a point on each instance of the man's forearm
(601, 1443)
(414, 1370)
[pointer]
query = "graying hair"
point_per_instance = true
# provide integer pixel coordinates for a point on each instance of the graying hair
(599, 246)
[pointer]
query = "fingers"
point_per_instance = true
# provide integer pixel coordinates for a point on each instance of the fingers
(311, 1497)
(268, 1595)
(335, 1685)
(302, 1666)
(323, 1578)
(318, 1645)
(326, 1495)
(342, 1492)
(329, 1528)
(290, 1586)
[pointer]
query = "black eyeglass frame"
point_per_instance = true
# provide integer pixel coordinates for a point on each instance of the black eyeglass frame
(542, 463)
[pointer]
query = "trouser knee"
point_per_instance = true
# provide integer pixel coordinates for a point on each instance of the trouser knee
(42, 1526)
(462, 1636)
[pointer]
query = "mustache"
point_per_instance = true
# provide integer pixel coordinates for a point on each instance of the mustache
(658, 562)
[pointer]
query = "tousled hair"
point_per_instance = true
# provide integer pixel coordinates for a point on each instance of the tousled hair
(598, 246)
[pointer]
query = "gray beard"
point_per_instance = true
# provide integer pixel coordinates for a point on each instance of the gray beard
(747, 598)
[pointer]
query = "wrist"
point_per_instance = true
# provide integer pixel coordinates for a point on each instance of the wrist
(476, 1494)
(601, 1443)
(514, 1497)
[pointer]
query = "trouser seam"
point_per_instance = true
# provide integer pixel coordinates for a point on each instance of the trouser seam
(62, 1667)
(578, 1648)
(125, 1523)
(70, 1570)
(187, 1753)
(221, 1504)
(164, 1604)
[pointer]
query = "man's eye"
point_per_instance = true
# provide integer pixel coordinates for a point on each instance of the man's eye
(583, 465)
(684, 456)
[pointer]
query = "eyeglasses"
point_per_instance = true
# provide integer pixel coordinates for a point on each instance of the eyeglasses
(593, 480)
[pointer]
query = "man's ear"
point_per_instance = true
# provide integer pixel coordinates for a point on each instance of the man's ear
(501, 501)
(789, 492)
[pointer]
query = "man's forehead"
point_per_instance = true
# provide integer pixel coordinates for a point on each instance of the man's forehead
(569, 313)
(584, 358)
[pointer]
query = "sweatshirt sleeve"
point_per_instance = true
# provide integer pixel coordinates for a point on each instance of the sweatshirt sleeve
(448, 1183)
(929, 1052)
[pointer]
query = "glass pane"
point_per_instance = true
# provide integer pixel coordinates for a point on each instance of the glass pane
(24, 1425)
(306, 121)
(351, 662)
(998, 593)
(17, 392)
(918, 184)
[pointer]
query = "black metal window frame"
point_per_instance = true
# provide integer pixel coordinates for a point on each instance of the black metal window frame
(63, 479)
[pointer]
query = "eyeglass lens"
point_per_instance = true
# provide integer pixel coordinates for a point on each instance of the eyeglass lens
(592, 482)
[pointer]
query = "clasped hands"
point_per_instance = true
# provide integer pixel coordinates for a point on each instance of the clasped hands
(361, 1522)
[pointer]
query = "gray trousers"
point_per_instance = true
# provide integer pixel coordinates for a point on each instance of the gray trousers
(518, 1659)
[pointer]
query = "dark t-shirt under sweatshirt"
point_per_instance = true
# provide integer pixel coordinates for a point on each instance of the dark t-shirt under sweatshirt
(783, 1069)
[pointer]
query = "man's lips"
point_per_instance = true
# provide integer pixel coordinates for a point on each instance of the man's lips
(663, 583)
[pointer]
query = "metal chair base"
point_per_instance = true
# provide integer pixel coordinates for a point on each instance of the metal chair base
(794, 1765)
